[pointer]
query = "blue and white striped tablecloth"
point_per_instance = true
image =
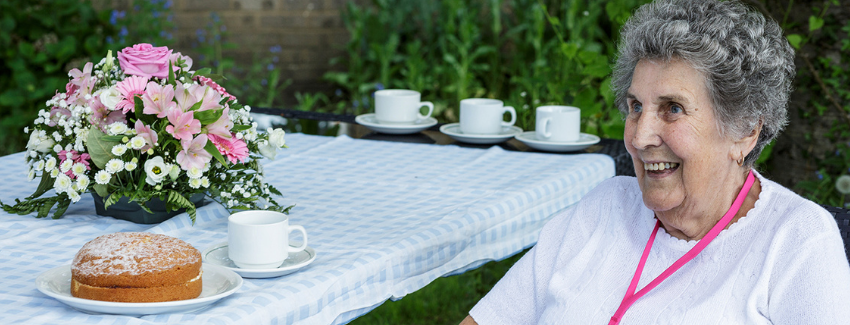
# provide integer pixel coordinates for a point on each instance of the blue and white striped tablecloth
(385, 219)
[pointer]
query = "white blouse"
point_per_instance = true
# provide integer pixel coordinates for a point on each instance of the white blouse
(783, 263)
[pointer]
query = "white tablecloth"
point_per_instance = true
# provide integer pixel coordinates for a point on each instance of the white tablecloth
(385, 219)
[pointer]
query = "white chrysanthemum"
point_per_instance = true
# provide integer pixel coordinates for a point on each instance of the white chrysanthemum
(114, 165)
(79, 169)
(102, 177)
(117, 128)
(119, 149)
(195, 182)
(50, 163)
(205, 182)
(137, 142)
(842, 184)
(57, 148)
(74, 196)
(63, 183)
(82, 184)
(39, 165)
(194, 172)
(54, 172)
(130, 166)
(31, 174)
(66, 165)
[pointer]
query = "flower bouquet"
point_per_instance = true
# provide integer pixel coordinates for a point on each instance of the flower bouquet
(147, 128)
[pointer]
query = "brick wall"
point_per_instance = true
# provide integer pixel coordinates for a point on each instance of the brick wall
(308, 32)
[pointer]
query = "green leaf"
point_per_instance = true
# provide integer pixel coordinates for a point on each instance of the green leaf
(99, 149)
(45, 185)
(815, 23)
(202, 72)
(240, 127)
(208, 116)
(172, 80)
(210, 147)
(139, 106)
(796, 40)
(64, 202)
(101, 189)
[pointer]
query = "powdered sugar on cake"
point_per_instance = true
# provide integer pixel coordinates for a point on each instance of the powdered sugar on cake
(132, 253)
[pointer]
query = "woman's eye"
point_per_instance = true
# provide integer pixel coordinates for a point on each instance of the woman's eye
(675, 109)
(637, 107)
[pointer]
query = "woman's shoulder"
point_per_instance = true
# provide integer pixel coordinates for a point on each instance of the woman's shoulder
(794, 212)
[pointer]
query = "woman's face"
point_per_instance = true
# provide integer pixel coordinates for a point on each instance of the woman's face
(682, 162)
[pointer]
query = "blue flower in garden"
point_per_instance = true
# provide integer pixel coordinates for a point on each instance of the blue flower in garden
(109, 39)
(170, 17)
(264, 82)
(820, 176)
(270, 67)
(200, 33)
(379, 86)
(365, 100)
(167, 4)
(115, 15)
(215, 17)
(355, 104)
(338, 92)
(223, 28)
(155, 14)
(123, 31)
(275, 49)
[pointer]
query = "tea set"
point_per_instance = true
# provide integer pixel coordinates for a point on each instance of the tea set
(557, 128)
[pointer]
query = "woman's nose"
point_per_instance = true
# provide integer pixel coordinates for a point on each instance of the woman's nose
(647, 131)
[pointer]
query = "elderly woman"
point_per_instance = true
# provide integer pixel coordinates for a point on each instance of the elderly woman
(698, 237)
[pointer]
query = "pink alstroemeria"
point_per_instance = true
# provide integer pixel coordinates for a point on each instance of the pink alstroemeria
(183, 125)
(129, 88)
(234, 149)
(102, 116)
(65, 155)
(146, 133)
(212, 84)
(193, 153)
(158, 99)
(184, 97)
(208, 97)
(222, 126)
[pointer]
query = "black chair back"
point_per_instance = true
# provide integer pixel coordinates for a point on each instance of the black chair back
(842, 217)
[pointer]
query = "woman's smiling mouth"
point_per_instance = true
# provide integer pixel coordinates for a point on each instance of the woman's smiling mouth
(661, 167)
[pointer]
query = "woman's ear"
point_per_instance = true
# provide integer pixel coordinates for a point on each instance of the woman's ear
(742, 147)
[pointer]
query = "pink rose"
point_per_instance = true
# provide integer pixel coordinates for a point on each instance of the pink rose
(145, 60)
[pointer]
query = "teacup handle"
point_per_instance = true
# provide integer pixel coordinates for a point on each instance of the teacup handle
(543, 126)
(303, 244)
(513, 116)
(430, 110)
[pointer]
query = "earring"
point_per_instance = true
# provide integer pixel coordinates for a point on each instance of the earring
(740, 161)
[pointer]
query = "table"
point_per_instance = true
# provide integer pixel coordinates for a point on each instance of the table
(385, 219)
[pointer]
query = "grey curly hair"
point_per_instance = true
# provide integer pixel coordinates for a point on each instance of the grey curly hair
(747, 63)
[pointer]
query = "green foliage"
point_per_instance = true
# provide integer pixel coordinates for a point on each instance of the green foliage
(826, 77)
(526, 52)
(41, 40)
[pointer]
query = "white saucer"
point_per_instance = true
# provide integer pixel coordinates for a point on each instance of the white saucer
(453, 130)
(530, 139)
(369, 121)
(218, 283)
(218, 255)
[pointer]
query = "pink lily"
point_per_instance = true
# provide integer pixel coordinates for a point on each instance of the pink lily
(184, 125)
(193, 153)
(222, 126)
(208, 97)
(129, 88)
(146, 133)
(183, 95)
(158, 99)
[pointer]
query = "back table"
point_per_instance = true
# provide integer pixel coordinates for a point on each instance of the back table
(385, 219)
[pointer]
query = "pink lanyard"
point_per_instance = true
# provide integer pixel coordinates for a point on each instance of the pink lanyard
(631, 297)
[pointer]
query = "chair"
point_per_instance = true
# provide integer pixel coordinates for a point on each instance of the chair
(842, 217)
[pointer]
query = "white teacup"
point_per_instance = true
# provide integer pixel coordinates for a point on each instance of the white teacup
(484, 116)
(400, 106)
(558, 123)
(259, 239)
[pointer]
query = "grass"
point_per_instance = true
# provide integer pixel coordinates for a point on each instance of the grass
(444, 301)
